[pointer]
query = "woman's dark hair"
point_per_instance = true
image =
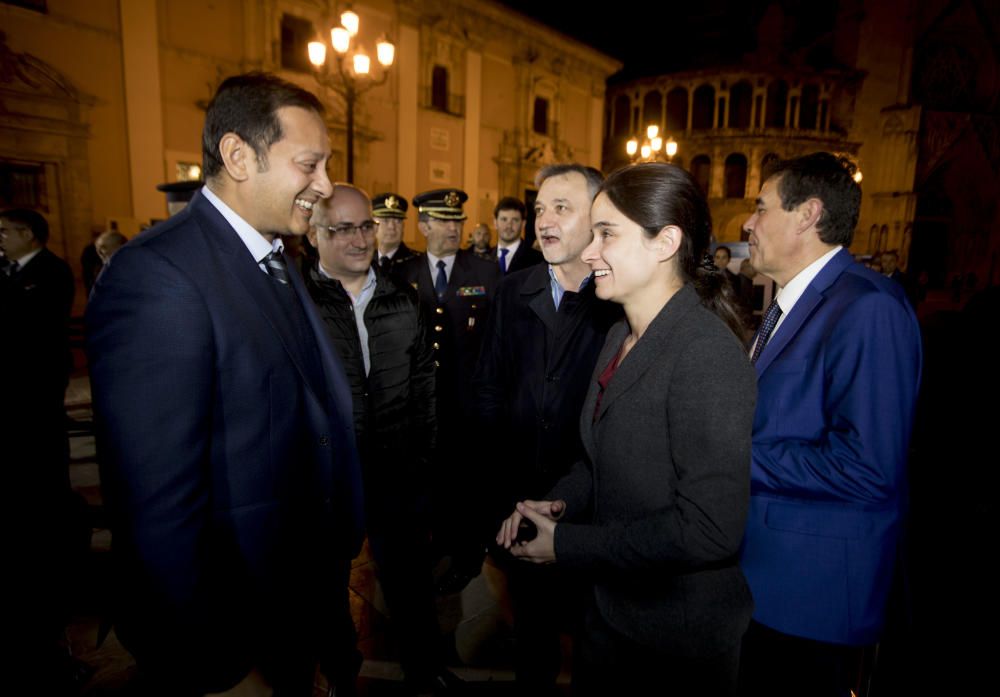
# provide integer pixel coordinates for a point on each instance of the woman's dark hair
(654, 195)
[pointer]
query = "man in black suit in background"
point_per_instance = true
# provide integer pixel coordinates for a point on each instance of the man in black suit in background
(455, 289)
(511, 252)
(36, 296)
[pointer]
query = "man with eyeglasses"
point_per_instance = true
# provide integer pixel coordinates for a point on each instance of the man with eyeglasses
(455, 288)
(394, 418)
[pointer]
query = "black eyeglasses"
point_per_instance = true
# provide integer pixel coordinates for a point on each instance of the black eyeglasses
(346, 230)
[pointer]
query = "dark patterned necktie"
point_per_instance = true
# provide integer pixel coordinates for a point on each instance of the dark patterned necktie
(384, 262)
(503, 260)
(771, 318)
(441, 283)
(274, 264)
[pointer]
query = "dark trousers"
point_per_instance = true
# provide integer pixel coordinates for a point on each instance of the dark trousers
(780, 665)
(400, 545)
(606, 662)
(546, 601)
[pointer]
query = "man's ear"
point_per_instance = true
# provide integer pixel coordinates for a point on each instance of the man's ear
(423, 227)
(667, 242)
(311, 236)
(809, 212)
(237, 156)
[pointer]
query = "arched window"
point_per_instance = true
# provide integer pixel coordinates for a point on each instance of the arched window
(652, 108)
(777, 101)
(701, 170)
(677, 110)
(740, 104)
(703, 114)
(439, 88)
(809, 109)
(623, 116)
(736, 176)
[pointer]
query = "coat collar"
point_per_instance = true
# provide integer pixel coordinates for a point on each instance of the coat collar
(240, 263)
(811, 298)
(647, 352)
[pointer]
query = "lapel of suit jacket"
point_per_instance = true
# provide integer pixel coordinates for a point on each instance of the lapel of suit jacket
(425, 284)
(612, 344)
(241, 264)
(459, 274)
(803, 309)
(649, 349)
(537, 284)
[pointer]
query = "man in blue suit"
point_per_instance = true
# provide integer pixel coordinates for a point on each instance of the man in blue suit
(224, 419)
(838, 364)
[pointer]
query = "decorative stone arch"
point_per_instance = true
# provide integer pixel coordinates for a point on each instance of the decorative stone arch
(735, 175)
(44, 126)
(652, 108)
(740, 104)
(776, 104)
(701, 170)
(677, 110)
(703, 112)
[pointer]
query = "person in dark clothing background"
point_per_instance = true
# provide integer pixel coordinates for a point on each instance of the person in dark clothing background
(455, 288)
(379, 334)
(36, 296)
(544, 334)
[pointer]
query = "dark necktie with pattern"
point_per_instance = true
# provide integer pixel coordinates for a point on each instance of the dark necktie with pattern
(441, 282)
(770, 320)
(503, 260)
(384, 262)
(274, 264)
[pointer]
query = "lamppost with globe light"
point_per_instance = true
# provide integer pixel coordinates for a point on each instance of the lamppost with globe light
(353, 80)
(651, 147)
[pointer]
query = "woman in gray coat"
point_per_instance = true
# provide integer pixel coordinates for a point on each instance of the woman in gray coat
(654, 515)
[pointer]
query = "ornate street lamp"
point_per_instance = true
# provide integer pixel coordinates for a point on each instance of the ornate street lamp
(651, 148)
(352, 77)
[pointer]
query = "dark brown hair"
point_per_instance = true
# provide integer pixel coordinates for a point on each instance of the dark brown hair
(654, 195)
(247, 105)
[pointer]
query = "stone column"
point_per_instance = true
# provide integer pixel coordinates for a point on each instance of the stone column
(473, 118)
(143, 107)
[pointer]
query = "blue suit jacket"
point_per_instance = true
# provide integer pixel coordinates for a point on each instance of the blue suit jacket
(837, 386)
(227, 451)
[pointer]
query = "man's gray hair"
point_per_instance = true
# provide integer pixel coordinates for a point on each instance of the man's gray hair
(593, 177)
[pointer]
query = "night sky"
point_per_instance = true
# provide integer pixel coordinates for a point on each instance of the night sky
(673, 36)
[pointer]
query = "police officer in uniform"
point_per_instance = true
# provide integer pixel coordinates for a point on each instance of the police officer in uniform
(455, 289)
(389, 211)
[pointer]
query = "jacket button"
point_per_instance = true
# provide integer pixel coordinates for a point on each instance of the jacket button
(324, 441)
(436, 346)
(437, 364)
(552, 378)
(438, 328)
(439, 310)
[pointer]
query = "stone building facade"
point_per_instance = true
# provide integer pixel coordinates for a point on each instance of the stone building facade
(103, 100)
